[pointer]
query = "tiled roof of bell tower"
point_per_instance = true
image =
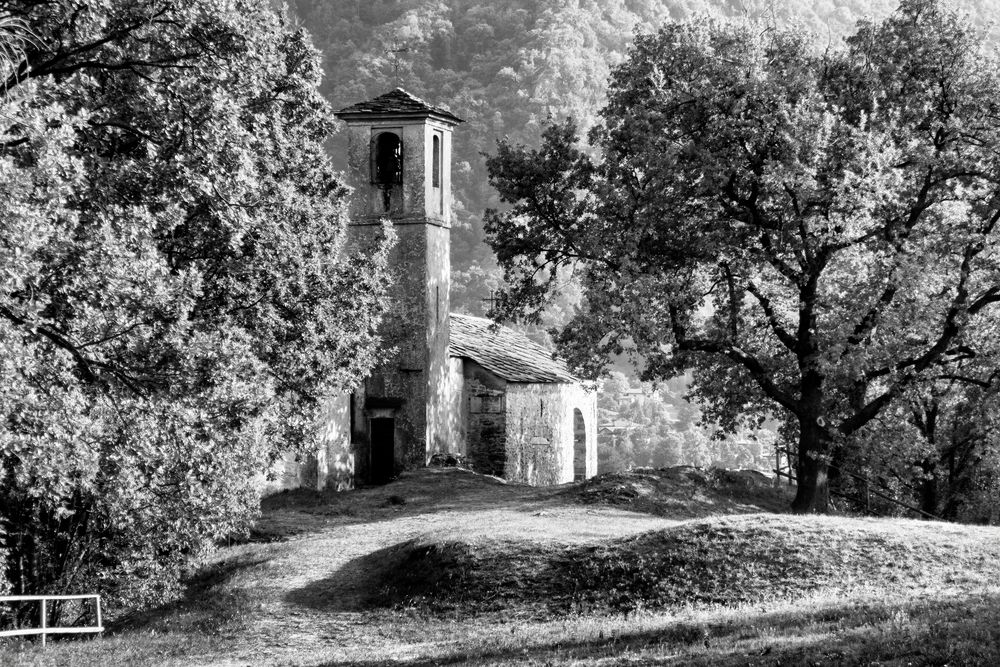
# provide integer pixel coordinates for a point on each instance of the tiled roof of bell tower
(395, 103)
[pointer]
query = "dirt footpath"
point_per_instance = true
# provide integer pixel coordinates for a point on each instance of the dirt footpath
(301, 589)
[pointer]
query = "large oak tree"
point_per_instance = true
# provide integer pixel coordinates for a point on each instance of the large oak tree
(813, 230)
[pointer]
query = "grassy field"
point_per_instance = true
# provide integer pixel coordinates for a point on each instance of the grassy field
(445, 567)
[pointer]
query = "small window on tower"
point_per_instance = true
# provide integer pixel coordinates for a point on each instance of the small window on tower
(436, 166)
(388, 163)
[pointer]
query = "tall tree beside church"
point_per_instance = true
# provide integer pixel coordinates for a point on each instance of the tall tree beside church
(14, 36)
(176, 297)
(812, 229)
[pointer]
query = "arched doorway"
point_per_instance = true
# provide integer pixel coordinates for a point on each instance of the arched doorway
(579, 446)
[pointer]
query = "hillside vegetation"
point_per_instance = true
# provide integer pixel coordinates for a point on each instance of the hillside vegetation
(448, 567)
(506, 67)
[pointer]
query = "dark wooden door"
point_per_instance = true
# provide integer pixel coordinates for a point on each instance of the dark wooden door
(383, 450)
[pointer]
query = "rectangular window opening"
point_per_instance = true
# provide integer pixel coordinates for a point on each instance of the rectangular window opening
(436, 162)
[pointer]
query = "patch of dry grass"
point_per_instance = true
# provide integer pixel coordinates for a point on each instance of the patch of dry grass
(445, 567)
(685, 492)
(815, 630)
(729, 560)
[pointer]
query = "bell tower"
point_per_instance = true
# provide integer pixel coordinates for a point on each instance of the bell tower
(399, 166)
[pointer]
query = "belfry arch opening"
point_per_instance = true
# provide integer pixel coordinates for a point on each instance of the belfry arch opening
(579, 446)
(387, 159)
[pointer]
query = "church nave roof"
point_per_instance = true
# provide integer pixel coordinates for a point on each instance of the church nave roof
(504, 352)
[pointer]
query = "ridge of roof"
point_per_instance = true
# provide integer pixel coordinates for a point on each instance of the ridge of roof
(504, 352)
(398, 101)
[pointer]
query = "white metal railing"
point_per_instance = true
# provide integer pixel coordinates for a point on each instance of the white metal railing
(44, 630)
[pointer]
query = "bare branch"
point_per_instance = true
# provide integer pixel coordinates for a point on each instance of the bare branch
(757, 371)
(787, 339)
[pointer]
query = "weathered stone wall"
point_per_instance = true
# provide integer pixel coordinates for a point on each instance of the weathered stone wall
(287, 474)
(415, 199)
(455, 420)
(540, 430)
(484, 410)
(335, 460)
(416, 379)
(440, 418)
(534, 416)
(437, 200)
(359, 435)
(408, 326)
(331, 465)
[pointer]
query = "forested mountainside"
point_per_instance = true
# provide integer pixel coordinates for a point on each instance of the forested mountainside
(505, 66)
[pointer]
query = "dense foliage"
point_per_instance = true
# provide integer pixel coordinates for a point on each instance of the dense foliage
(506, 66)
(812, 230)
(938, 448)
(175, 295)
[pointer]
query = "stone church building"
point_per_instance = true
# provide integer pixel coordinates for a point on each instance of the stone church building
(458, 384)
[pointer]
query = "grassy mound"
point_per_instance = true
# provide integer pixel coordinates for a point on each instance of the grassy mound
(685, 492)
(728, 560)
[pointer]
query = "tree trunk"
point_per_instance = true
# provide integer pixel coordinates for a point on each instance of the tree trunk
(812, 470)
(929, 488)
(925, 417)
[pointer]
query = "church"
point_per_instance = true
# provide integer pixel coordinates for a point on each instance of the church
(457, 386)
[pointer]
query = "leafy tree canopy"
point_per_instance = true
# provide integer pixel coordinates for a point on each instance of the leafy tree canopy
(175, 295)
(506, 66)
(812, 229)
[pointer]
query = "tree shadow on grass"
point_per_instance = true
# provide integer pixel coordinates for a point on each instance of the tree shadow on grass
(355, 586)
(442, 578)
(436, 577)
(206, 605)
(946, 630)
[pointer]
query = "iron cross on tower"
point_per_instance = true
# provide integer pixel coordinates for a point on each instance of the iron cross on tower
(491, 300)
(394, 54)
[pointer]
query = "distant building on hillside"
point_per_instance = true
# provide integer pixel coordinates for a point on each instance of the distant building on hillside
(458, 385)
